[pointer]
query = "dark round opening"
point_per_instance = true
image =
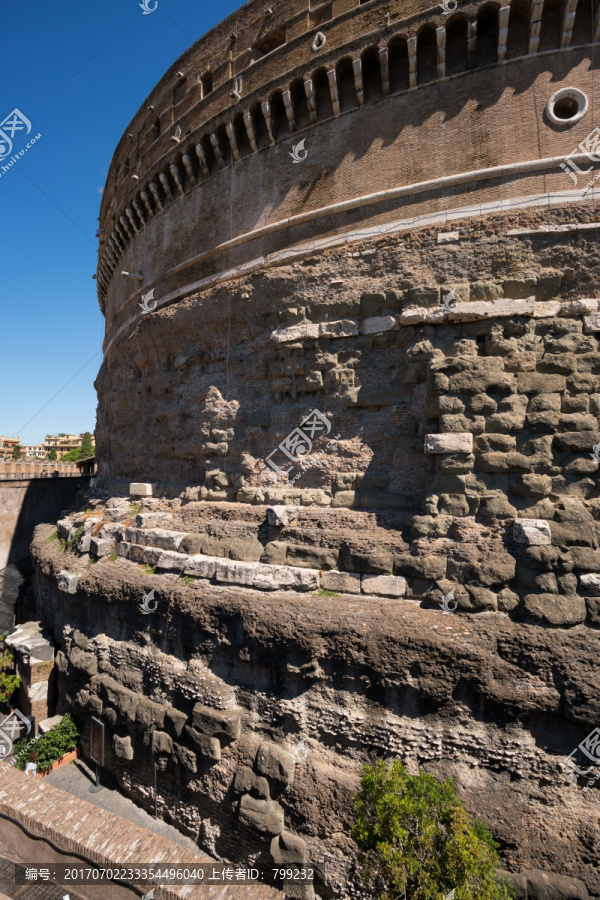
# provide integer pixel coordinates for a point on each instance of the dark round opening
(566, 108)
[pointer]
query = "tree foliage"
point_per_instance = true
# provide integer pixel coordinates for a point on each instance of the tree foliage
(52, 454)
(16, 453)
(417, 841)
(87, 448)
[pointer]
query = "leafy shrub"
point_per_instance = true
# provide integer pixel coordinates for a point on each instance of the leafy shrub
(417, 841)
(135, 508)
(50, 746)
(8, 685)
(323, 593)
(52, 537)
(149, 570)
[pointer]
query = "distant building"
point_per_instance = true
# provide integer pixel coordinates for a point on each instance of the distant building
(33, 451)
(62, 443)
(7, 445)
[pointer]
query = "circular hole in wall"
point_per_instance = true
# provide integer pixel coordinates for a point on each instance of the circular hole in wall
(567, 106)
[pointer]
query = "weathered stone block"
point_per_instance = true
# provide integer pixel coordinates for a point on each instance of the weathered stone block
(67, 582)
(185, 757)
(164, 539)
(87, 662)
(176, 719)
(246, 782)
(140, 489)
(153, 519)
(264, 815)
(591, 323)
(221, 723)
(308, 557)
(384, 585)
(122, 747)
(275, 763)
(449, 443)
(288, 848)
(291, 333)
(346, 499)
(172, 562)
(201, 566)
(100, 547)
(532, 531)
(590, 583)
(207, 747)
(540, 383)
(344, 582)
(340, 328)
(245, 548)
(378, 324)
(161, 742)
(554, 609)
(420, 565)
(191, 544)
(281, 516)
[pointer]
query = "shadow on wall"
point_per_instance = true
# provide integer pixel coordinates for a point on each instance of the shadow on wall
(24, 505)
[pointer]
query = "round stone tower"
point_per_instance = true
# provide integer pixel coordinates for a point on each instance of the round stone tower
(349, 264)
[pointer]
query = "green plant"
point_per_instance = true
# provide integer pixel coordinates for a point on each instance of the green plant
(8, 685)
(72, 544)
(149, 570)
(6, 658)
(186, 579)
(417, 841)
(135, 508)
(112, 557)
(50, 746)
(91, 561)
(323, 593)
(52, 537)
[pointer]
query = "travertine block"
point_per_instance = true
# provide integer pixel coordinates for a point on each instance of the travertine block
(591, 583)
(201, 566)
(289, 333)
(384, 585)
(280, 516)
(67, 582)
(101, 547)
(345, 582)
(576, 307)
(591, 323)
(533, 532)
(447, 237)
(378, 324)
(140, 489)
(153, 519)
(339, 329)
(452, 442)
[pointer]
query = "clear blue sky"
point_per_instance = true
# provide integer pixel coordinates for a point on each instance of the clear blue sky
(78, 71)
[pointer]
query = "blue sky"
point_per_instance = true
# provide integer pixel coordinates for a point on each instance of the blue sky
(78, 71)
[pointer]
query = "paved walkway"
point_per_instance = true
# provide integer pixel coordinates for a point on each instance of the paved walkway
(77, 778)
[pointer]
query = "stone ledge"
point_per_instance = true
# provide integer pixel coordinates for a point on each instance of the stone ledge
(452, 442)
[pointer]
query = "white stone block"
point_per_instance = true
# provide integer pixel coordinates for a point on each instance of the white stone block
(163, 538)
(38, 691)
(413, 315)
(591, 583)
(546, 309)
(145, 556)
(288, 333)
(338, 329)
(378, 324)
(201, 566)
(533, 532)
(470, 312)
(344, 582)
(171, 561)
(280, 516)
(577, 307)
(46, 724)
(384, 585)
(88, 525)
(67, 582)
(447, 237)
(85, 543)
(101, 547)
(451, 442)
(153, 519)
(63, 527)
(592, 323)
(273, 578)
(234, 572)
(141, 489)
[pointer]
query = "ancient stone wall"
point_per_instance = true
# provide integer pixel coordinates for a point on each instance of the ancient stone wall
(258, 707)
